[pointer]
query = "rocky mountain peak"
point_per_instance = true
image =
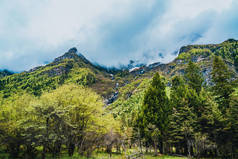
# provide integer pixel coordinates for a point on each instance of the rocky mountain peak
(73, 50)
(71, 54)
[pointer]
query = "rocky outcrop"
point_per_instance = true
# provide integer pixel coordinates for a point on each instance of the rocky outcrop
(207, 75)
(57, 71)
(71, 54)
(34, 69)
(112, 98)
(190, 47)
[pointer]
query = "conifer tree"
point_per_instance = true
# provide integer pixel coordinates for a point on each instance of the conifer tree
(183, 119)
(156, 109)
(193, 76)
(222, 89)
(236, 62)
(233, 124)
(194, 79)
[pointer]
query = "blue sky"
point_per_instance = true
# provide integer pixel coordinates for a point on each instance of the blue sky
(109, 32)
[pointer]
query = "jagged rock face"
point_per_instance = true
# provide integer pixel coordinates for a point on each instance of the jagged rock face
(73, 50)
(111, 99)
(207, 75)
(57, 71)
(143, 69)
(34, 69)
(71, 54)
(151, 66)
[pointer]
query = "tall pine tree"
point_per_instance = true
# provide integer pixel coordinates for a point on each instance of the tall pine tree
(183, 119)
(193, 76)
(194, 79)
(222, 89)
(233, 125)
(156, 109)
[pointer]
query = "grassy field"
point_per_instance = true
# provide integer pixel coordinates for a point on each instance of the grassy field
(117, 156)
(120, 156)
(102, 156)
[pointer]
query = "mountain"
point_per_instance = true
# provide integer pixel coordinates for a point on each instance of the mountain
(4, 73)
(73, 67)
(70, 67)
(129, 113)
(200, 54)
(130, 96)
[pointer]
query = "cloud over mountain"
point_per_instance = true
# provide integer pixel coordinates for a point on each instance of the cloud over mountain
(109, 32)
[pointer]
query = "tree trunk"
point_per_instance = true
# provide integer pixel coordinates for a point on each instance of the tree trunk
(155, 148)
(177, 149)
(118, 149)
(14, 150)
(189, 153)
(185, 149)
(45, 140)
(109, 150)
(71, 145)
(161, 148)
(43, 152)
(29, 154)
(140, 145)
(71, 149)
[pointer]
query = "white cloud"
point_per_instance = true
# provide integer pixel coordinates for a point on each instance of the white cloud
(109, 32)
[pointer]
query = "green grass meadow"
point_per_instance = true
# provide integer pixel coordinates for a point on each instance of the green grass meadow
(100, 155)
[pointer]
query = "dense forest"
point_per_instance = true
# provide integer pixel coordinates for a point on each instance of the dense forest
(188, 108)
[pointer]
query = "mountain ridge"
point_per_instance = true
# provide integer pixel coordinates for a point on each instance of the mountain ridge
(5, 72)
(73, 67)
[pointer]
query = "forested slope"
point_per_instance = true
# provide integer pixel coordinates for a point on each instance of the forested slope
(186, 107)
